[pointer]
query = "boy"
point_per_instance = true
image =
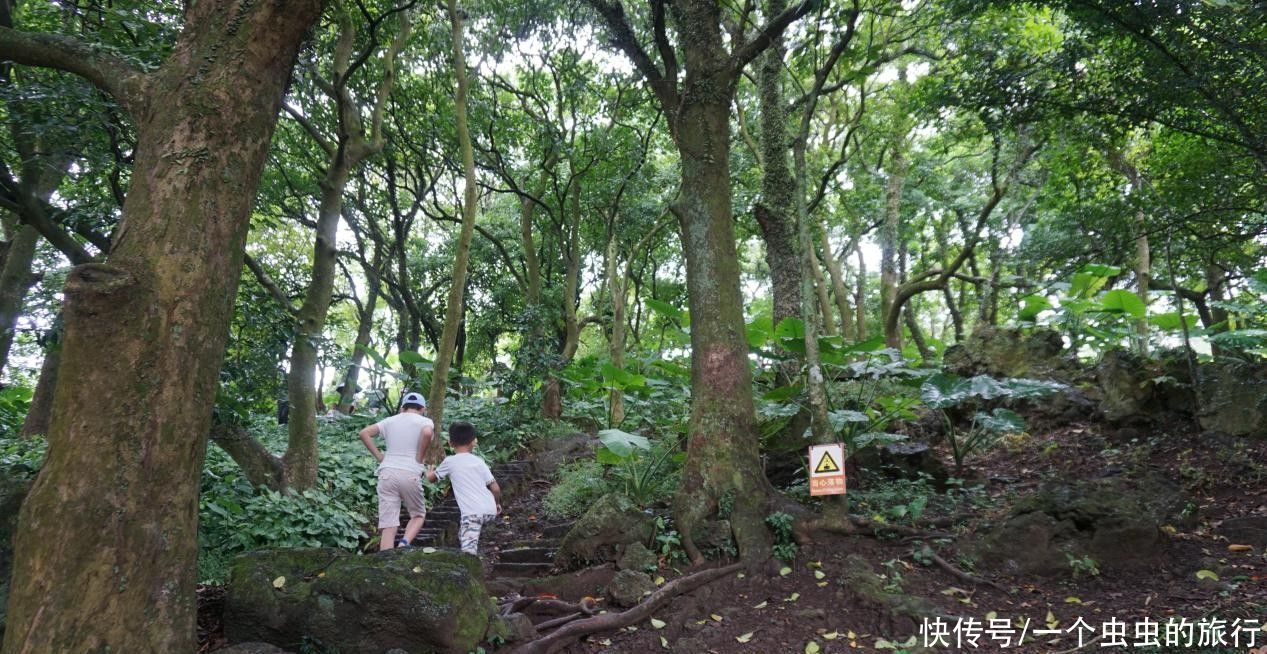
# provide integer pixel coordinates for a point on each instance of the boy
(478, 495)
(407, 435)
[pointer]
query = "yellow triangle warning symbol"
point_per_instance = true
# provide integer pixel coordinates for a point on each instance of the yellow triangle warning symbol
(826, 464)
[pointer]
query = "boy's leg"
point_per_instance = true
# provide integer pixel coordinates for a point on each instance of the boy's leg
(469, 532)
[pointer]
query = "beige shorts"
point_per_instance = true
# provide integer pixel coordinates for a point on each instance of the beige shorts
(394, 487)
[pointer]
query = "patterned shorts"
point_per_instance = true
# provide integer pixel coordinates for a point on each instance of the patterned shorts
(469, 531)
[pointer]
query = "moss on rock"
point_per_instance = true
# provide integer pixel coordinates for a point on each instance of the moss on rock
(603, 532)
(407, 599)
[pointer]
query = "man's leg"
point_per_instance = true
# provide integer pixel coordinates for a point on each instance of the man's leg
(411, 495)
(388, 539)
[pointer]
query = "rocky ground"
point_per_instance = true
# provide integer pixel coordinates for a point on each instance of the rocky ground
(1119, 512)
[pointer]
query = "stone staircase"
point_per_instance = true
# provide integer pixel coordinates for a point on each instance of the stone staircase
(506, 555)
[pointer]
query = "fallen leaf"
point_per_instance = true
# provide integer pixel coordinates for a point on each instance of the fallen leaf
(716, 617)
(851, 635)
(815, 564)
(743, 638)
(605, 642)
(992, 615)
(819, 574)
(1207, 574)
(785, 571)
(812, 647)
(417, 568)
(664, 642)
(822, 584)
(279, 582)
(831, 636)
(658, 624)
(740, 575)
(1072, 600)
(793, 597)
(428, 550)
(658, 581)
(1051, 620)
(761, 605)
(1240, 548)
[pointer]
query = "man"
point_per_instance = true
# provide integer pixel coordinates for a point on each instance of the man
(407, 435)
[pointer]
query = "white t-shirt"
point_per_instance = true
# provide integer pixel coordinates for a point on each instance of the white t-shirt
(470, 478)
(402, 433)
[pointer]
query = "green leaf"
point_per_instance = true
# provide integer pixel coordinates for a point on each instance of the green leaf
(1032, 305)
(1207, 574)
(622, 443)
(411, 357)
(665, 309)
(1000, 421)
(1170, 321)
(790, 328)
(782, 393)
(1122, 301)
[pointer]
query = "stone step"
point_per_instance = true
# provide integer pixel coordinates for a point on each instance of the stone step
(556, 531)
(527, 555)
(508, 569)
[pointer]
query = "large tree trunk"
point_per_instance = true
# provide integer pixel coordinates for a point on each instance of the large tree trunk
(616, 284)
(15, 280)
(889, 233)
(840, 292)
(824, 308)
(364, 331)
(145, 336)
(41, 409)
(462, 251)
(301, 384)
(774, 211)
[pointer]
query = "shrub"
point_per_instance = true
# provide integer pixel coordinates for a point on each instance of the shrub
(579, 485)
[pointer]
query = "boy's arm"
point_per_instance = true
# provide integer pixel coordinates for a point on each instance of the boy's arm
(367, 437)
(496, 490)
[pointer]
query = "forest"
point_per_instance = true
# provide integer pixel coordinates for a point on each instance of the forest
(1010, 255)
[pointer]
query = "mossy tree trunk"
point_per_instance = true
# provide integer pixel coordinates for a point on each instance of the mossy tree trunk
(462, 250)
(41, 409)
(722, 466)
(889, 234)
(145, 335)
(353, 143)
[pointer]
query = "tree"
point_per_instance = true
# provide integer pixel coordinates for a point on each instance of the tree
(722, 464)
(145, 333)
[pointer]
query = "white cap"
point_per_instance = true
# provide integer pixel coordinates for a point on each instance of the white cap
(414, 398)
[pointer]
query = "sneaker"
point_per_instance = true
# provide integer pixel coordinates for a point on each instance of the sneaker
(402, 543)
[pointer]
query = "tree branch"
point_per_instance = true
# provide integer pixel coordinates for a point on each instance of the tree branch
(746, 52)
(106, 70)
(270, 285)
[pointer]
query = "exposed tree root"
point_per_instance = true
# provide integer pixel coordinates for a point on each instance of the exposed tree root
(869, 528)
(960, 574)
(577, 629)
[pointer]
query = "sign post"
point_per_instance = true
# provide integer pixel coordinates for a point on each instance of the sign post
(827, 469)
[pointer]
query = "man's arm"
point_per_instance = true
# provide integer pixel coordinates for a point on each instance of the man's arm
(367, 437)
(424, 442)
(497, 494)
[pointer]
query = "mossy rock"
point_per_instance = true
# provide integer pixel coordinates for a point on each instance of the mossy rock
(637, 557)
(407, 599)
(628, 588)
(1117, 523)
(1011, 352)
(1234, 399)
(903, 611)
(601, 535)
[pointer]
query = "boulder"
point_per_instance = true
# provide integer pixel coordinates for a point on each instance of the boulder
(1011, 352)
(1234, 398)
(1248, 530)
(628, 588)
(252, 648)
(1137, 389)
(637, 557)
(911, 460)
(551, 453)
(512, 628)
(898, 611)
(601, 535)
(1115, 522)
(407, 599)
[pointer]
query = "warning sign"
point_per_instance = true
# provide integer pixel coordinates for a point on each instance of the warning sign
(827, 469)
